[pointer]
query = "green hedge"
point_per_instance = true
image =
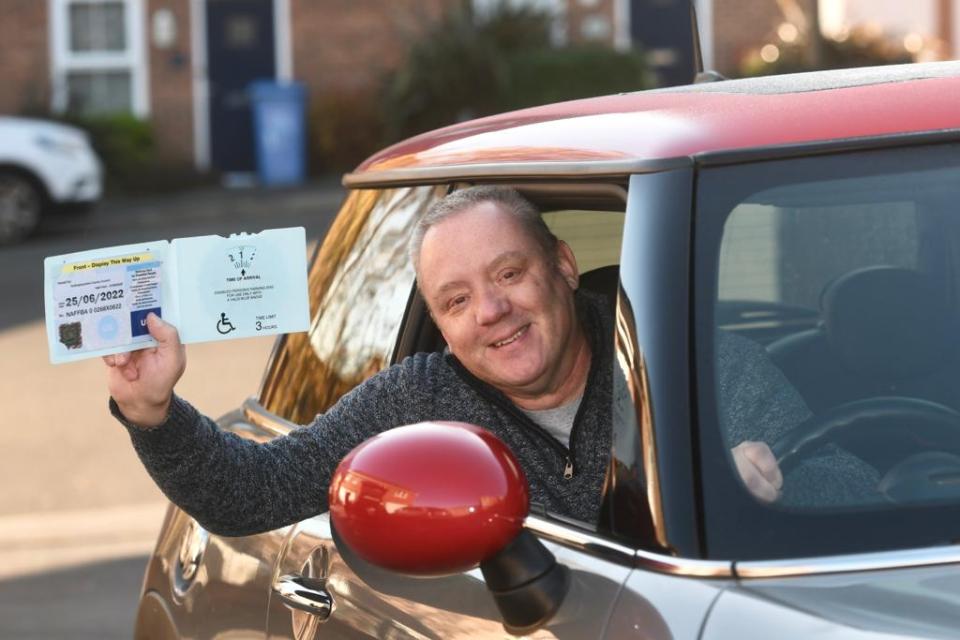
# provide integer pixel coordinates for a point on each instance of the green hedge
(128, 150)
(126, 145)
(553, 75)
(466, 67)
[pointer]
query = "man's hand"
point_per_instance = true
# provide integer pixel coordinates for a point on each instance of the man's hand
(141, 382)
(758, 469)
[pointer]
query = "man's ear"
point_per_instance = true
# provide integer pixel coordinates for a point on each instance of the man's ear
(567, 265)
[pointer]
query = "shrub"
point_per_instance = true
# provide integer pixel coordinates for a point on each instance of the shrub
(860, 49)
(344, 128)
(125, 143)
(552, 75)
(128, 150)
(468, 66)
(456, 71)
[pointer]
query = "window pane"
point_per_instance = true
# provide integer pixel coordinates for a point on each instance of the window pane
(836, 276)
(594, 236)
(359, 285)
(788, 255)
(832, 286)
(97, 26)
(99, 92)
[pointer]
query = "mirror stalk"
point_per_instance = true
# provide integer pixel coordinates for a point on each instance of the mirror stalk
(526, 582)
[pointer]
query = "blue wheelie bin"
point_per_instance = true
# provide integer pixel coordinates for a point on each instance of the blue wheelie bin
(279, 131)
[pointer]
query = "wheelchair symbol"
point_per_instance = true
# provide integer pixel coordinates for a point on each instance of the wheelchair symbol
(223, 325)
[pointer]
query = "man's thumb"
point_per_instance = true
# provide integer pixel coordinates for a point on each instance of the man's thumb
(161, 331)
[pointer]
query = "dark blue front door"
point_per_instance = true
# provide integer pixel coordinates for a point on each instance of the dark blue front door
(240, 49)
(663, 29)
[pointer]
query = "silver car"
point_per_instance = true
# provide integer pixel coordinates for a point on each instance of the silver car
(811, 221)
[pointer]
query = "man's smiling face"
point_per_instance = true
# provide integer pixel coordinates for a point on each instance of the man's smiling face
(505, 309)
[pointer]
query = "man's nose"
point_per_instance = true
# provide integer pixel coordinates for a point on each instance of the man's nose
(493, 305)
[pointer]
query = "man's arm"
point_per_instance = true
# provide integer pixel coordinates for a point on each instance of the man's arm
(141, 382)
(231, 485)
(758, 405)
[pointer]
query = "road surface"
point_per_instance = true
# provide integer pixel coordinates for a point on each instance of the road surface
(78, 515)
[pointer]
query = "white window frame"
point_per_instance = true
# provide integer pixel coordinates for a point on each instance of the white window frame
(133, 59)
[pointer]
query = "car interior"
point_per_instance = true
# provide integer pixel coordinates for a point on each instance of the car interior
(850, 284)
(588, 217)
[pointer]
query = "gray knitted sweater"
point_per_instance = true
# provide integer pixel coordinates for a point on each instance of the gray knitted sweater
(233, 486)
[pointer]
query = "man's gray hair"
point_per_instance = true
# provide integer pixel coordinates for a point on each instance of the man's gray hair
(510, 201)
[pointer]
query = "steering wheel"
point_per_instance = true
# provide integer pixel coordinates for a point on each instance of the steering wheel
(905, 423)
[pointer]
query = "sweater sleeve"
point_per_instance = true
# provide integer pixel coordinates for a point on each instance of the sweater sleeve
(759, 403)
(234, 486)
(756, 400)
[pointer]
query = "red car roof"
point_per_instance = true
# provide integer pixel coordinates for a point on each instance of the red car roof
(657, 125)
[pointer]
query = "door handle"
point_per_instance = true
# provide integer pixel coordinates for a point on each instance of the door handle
(305, 594)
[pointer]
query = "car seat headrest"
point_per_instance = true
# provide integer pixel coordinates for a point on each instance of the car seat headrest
(887, 322)
(604, 280)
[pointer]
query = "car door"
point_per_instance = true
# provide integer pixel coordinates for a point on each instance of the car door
(372, 603)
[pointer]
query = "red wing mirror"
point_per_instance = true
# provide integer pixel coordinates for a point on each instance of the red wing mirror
(429, 499)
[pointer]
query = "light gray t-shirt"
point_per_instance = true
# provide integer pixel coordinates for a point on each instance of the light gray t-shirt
(558, 421)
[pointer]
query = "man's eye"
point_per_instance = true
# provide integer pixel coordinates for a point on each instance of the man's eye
(456, 302)
(510, 274)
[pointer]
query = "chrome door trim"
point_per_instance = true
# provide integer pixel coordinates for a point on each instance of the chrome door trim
(877, 561)
(684, 567)
(580, 540)
(254, 412)
(592, 544)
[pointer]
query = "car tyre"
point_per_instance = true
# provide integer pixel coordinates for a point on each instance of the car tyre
(21, 204)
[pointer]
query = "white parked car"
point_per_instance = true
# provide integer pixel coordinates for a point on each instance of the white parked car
(42, 165)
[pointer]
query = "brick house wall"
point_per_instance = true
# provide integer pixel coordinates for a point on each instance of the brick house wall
(348, 45)
(739, 25)
(338, 47)
(25, 57)
(342, 50)
(590, 22)
(171, 86)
